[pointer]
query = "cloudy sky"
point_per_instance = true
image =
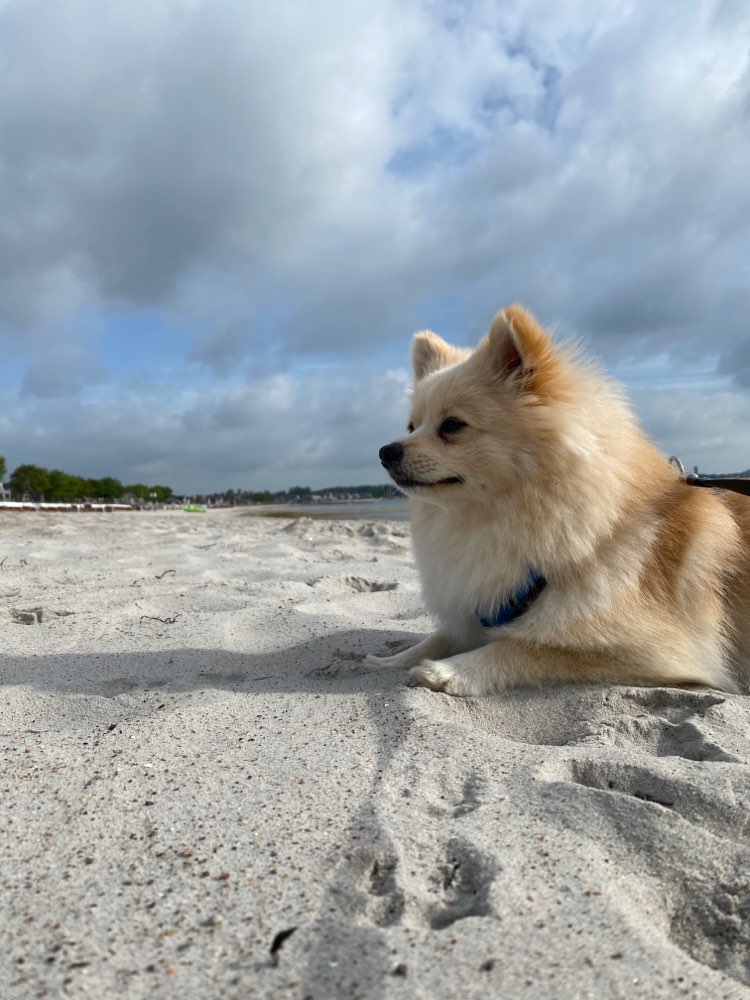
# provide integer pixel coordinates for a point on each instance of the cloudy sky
(220, 222)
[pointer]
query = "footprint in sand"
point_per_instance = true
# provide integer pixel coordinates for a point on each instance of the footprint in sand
(664, 722)
(36, 616)
(357, 584)
(680, 824)
(367, 890)
(711, 807)
(672, 724)
(712, 924)
(461, 883)
(472, 794)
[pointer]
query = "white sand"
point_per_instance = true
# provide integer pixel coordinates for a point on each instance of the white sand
(177, 792)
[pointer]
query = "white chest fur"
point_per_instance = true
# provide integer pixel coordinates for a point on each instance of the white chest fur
(465, 563)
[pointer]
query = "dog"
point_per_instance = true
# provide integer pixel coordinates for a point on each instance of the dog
(554, 542)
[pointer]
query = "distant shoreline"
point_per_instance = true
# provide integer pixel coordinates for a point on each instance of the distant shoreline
(353, 510)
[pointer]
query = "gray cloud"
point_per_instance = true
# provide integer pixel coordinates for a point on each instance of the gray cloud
(707, 430)
(263, 433)
(62, 371)
(737, 363)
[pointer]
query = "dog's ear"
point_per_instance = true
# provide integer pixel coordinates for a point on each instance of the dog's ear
(429, 353)
(516, 344)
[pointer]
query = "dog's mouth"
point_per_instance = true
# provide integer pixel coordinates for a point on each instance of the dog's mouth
(413, 484)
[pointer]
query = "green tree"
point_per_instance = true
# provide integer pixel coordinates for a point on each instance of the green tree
(139, 490)
(107, 488)
(31, 479)
(3, 468)
(83, 488)
(163, 493)
(63, 486)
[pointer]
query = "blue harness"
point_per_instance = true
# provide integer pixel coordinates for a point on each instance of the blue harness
(518, 605)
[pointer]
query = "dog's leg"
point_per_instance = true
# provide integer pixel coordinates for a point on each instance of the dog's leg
(466, 675)
(509, 663)
(439, 644)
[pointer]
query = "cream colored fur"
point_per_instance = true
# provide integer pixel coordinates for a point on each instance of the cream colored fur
(646, 576)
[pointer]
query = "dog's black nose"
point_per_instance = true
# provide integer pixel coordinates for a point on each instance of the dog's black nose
(391, 453)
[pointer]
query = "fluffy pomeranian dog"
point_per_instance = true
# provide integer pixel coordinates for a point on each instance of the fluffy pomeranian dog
(554, 542)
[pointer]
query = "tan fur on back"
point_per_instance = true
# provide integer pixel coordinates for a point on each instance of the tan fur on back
(549, 471)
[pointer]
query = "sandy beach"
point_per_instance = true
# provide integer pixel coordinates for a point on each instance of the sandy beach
(206, 794)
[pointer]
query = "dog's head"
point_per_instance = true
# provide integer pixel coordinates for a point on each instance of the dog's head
(477, 419)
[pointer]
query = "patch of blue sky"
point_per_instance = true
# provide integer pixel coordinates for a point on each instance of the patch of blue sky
(454, 14)
(664, 372)
(332, 364)
(144, 350)
(446, 314)
(495, 104)
(12, 374)
(548, 109)
(547, 104)
(442, 146)
(140, 343)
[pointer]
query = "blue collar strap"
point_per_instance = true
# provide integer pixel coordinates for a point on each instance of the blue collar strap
(518, 605)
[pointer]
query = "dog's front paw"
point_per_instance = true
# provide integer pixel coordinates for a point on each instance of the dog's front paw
(438, 675)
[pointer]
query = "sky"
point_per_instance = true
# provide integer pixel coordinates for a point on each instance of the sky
(221, 221)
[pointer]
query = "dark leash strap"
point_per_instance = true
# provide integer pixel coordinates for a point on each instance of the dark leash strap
(735, 485)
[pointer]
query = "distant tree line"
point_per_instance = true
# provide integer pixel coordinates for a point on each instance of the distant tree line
(57, 486)
(370, 490)
(296, 493)
(726, 475)
(376, 491)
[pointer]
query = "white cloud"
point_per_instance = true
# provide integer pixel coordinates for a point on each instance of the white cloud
(707, 429)
(263, 433)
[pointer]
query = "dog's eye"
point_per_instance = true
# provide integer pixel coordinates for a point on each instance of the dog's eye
(410, 427)
(451, 425)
